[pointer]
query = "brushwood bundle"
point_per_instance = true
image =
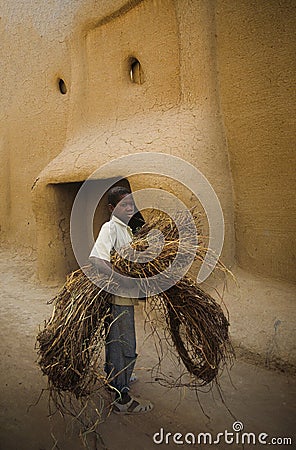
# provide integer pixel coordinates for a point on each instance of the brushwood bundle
(69, 344)
(195, 322)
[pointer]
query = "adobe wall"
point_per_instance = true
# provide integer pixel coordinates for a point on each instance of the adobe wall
(257, 65)
(215, 89)
(103, 115)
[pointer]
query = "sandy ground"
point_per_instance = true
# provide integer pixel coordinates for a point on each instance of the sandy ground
(262, 400)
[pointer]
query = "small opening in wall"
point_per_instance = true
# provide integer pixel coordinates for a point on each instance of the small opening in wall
(62, 86)
(136, 71)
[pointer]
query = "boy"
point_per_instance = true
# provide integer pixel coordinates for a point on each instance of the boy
(121, 339)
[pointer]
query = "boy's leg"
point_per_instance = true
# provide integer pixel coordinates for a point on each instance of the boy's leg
(121, 347)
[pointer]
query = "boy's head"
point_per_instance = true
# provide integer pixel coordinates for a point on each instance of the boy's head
(121, 203)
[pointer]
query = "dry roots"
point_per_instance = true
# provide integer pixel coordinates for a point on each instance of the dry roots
(70, 342)
(198, 328)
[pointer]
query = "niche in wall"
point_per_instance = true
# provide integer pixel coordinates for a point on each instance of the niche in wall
(62, 255)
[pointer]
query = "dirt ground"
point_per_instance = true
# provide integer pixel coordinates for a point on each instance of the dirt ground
(262, 400)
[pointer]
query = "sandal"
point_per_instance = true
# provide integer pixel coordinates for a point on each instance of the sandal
(133, 378)
(134, 406)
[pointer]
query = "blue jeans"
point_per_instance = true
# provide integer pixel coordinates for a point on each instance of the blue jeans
(120, 348)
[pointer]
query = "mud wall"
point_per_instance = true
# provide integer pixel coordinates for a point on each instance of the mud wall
(216, 87)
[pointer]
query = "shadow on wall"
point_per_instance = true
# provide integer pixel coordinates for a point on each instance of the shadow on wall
(65, 194)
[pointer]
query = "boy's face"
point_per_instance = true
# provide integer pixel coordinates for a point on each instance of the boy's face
(124, 209)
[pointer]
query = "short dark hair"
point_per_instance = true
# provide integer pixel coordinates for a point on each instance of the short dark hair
(115, 193)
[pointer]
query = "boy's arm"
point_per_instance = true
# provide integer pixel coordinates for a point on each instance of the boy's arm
(100, 254)
(103, 245)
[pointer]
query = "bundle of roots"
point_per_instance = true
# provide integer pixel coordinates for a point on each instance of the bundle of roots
(70, 342)
(198, 328)
(195, 322)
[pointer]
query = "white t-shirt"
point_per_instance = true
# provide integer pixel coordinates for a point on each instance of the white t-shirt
(114, 234)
